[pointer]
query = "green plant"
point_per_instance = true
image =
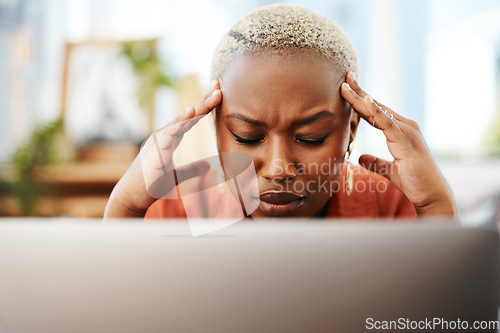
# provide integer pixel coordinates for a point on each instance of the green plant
(5, 191)
(149, 68)
(37, 151)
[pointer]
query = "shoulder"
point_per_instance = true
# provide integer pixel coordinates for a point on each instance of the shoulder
(372, 196)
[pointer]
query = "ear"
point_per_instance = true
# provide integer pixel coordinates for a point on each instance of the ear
(353, 125)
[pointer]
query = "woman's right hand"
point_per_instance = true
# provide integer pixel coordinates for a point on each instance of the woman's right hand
(152, 174)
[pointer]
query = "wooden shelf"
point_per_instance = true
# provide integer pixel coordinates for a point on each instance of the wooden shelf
(83, 172)
(77, 189)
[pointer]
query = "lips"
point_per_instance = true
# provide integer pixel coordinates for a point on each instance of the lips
(279, 197)
(280, 203)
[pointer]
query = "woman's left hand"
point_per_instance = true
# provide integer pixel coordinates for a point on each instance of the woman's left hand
(413, 170)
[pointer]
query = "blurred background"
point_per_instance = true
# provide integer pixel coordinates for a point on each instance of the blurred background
(83, 82)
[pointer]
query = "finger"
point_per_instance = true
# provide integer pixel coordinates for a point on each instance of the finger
(163, 142)
(202, 109)
(214, 85)
(377, 165)
(383, 120)
(351, 96)
(208, 104)
(190, 111)
(168, 136)
(199, 112)
(191, 170)
(356, 101)
(351, 80)
(154, 156)
(190, 117)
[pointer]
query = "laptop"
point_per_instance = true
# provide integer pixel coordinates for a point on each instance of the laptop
(67, 275)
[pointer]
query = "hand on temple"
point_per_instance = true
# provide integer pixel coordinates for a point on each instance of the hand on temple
(413, 171)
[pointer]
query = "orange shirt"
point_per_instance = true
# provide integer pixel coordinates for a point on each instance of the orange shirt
(373, 196)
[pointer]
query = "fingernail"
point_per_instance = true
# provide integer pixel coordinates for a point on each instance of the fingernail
(215, 92)
(351, 75)
(347, 86)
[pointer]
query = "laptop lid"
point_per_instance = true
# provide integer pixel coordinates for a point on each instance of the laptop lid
(250, 277)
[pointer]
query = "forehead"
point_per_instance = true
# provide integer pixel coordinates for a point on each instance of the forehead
(281, 84)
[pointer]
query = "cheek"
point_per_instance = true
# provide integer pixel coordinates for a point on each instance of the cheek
(323, 165)
(221, 133)
(225, 141)
(326, 161)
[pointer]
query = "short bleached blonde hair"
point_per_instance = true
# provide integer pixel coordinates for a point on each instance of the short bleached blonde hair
(281, 28)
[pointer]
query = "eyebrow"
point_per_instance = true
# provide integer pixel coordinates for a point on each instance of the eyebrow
(299, 122)
(245, 118)
(321, 114)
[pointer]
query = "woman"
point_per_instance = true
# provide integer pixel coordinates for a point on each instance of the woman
(285, 93)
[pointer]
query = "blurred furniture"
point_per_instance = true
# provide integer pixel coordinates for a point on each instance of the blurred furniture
(107, 104)
(81, 185)
(111, 81)
(79, 188)
(82, 188)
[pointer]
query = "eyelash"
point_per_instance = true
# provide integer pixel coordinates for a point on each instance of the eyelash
(251, 142)
(317, 142)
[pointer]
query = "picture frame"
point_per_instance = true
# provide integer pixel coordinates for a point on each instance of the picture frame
(105, 96)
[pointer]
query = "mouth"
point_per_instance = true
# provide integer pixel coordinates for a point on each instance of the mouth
(280, 203)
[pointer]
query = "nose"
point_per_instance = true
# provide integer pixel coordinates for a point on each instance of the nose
(278, 162)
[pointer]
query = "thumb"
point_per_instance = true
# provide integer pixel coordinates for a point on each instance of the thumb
(191, 170)
(377, 165)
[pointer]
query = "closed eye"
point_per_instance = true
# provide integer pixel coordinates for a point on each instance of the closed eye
(313, 142)
(247, 141)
